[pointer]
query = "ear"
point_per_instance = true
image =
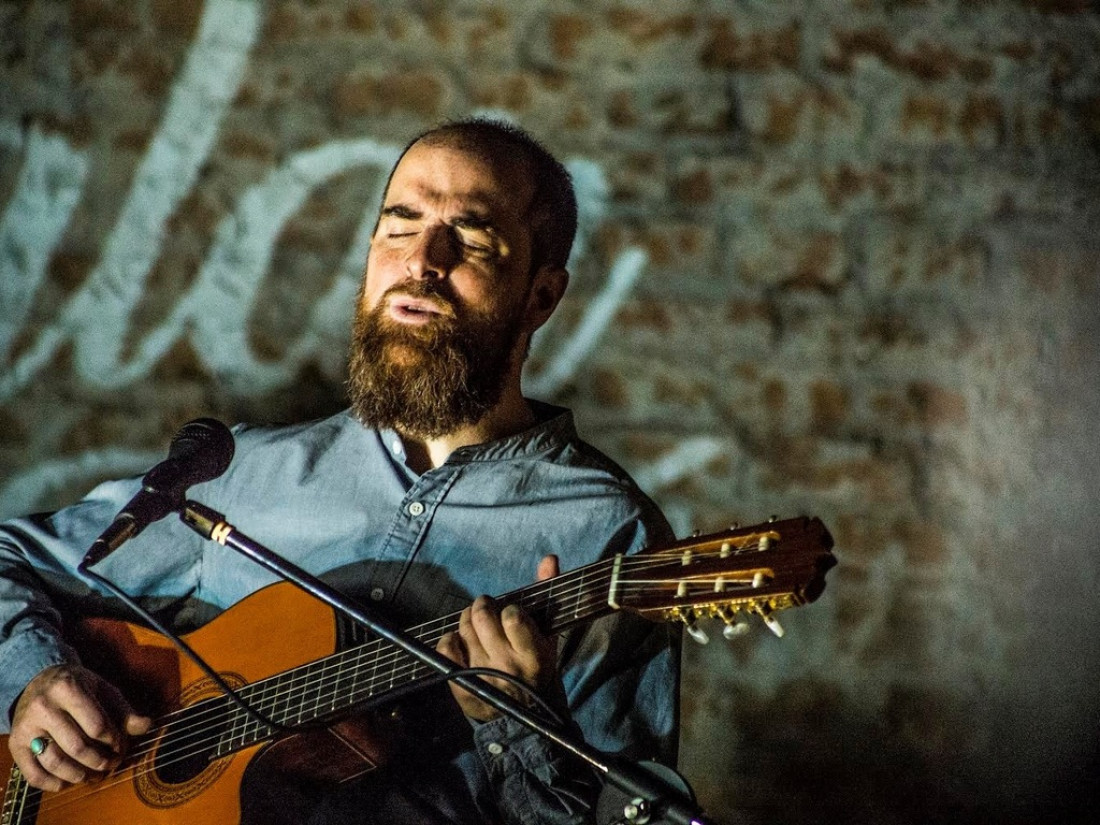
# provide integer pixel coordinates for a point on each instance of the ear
(547, 287)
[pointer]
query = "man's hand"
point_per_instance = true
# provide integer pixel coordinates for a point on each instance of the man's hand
(506, 640)
(84, 720)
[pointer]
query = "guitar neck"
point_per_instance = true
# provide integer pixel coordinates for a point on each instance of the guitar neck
(757, 570)
(335, 684)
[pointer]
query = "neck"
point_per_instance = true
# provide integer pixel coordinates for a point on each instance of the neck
(511, 415)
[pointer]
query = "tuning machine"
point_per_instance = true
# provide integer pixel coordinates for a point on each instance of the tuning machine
(690, 618)
(735, 624)
(768, 615)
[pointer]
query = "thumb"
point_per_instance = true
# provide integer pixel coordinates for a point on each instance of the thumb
(548, 568)
(137, 724)
(134, 722)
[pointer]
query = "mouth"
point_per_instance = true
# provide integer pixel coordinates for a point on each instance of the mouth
(407, 310)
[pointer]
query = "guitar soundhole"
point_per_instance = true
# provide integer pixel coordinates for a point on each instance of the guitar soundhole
(185, 751)
(183, 764)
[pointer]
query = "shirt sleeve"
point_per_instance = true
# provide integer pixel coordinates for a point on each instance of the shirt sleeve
(39, 585)
(621, 677)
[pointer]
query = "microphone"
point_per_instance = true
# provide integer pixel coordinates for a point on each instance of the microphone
(200, 451)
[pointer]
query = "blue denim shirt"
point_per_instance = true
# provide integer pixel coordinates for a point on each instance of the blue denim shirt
(339, 500)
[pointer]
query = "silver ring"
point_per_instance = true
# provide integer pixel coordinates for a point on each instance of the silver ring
(39, 745)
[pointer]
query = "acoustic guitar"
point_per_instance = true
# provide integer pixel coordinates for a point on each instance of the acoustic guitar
(278, 649)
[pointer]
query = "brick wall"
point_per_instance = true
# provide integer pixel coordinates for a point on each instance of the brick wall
(838, 258)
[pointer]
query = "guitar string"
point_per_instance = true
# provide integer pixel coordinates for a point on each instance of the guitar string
(221, 711)
(309, 678)
(433, 628)
(122, 778)
(346, 661)
(409, 665)
(531, 597)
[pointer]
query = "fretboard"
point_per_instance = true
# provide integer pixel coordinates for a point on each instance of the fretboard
(331, 686)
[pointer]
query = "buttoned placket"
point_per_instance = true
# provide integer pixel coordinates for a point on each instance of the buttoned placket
(409, 526)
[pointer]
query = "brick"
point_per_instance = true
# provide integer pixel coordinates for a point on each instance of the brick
(643, 27)
(249, 145)
(177, 17)
(829, 403)
(938, 406)
(982, 120)
(805, 260)
(566, 33)
(415, 91)
(726, 49)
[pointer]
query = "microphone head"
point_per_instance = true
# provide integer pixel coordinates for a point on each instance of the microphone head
(202, 450)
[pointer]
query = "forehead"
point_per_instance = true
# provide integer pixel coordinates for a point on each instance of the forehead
(447, 177)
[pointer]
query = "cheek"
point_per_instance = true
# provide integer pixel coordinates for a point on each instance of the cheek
(378, 277)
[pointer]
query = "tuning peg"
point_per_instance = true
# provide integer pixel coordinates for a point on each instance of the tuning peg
(697, 633)
(773, 623)
(689, 618)
(735, 624)
(735, 628)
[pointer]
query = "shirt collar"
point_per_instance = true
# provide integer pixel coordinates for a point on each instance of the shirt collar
(554, 429)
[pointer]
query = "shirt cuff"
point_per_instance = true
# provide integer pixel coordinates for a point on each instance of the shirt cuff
(25, 656)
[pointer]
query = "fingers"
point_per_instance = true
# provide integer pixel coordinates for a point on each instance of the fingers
(132, 722)
(548, 568)
(451, 646)
(73, 712)
(54, 767)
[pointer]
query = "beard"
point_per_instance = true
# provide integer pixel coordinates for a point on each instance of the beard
(428, 381)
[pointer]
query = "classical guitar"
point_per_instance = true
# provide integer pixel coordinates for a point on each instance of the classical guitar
(278, 648)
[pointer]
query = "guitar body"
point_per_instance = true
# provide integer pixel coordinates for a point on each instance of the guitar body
(272, 631)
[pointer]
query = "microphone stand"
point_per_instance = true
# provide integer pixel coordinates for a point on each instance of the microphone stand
(650, 798)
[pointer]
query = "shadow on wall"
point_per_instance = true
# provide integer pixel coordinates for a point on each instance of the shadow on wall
(814, 757)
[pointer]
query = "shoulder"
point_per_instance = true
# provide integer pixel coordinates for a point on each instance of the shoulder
(576, 469)
(307, 441)
(271, 454)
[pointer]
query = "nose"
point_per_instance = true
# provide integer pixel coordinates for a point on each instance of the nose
(433, 254)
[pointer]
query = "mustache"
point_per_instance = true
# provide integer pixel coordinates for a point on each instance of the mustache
(423, 289)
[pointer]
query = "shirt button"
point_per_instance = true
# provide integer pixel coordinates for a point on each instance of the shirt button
(416, 508)
(495, 748)
(396, 446)
(378, 594)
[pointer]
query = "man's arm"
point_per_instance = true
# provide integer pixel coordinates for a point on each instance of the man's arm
(45, 692)
(622, 677)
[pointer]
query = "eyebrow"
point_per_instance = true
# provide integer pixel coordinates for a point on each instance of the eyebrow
(468, 220)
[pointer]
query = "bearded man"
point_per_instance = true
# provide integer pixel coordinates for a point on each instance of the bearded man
(441, 482)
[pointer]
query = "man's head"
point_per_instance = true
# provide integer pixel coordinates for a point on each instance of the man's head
(552, 209)
(466, 262)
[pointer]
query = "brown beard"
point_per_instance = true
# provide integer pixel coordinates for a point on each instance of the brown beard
(432, 380)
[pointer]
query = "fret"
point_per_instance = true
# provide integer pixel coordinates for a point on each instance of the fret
(227, 741)
(21, 801)
(375, 681)
(330, 697)
(393, 672)
(268, 698)
(267, 693)
(353, 687)
(577, 594)
(338, 693)
(307, 694)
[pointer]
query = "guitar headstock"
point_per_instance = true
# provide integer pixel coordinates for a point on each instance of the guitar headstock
(727, 575)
